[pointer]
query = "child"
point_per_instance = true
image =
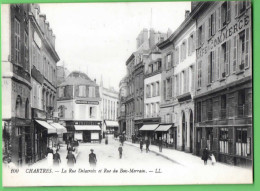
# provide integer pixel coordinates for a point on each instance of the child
(213, 159)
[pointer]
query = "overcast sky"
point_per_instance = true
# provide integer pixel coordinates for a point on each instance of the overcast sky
(98, 38)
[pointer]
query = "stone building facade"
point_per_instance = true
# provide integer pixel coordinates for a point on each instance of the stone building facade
(122, 106)
(223, 101)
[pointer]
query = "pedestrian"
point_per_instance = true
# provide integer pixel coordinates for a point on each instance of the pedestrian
(147, 145)
(49, 156)
(56, 158)
(120, 149)
(205, 155)
(92, 158)
(141, 145)
(71, 160)
(160, 144)
(70, 147)
(213, 159)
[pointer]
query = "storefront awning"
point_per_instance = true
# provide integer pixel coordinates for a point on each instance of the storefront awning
(111, 123)
(163, 127)
(46, 125)
(87, 127)
(60, 129)
(150, 127)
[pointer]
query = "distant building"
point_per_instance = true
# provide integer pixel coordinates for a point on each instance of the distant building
(121, 106)
(78, 106)
(109, 102)
(62, 73)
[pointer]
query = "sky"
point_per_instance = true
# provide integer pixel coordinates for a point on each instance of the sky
(98, 38)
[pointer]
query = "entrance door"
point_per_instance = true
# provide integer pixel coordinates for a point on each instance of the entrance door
(183, 131)
(191, 132)
(209, 137)
(86, 136)
(199, 141)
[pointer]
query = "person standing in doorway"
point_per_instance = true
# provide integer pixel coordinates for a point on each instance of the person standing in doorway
(120, 150)
(92, 158)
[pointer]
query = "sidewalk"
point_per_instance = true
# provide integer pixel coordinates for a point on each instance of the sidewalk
(180, 157)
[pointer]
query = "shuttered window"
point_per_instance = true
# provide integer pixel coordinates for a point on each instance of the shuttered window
(177, 56)
(223, 140)
(199, 74)
(212, 25)
(17, 45)
(234, 53)
(164, 89)
(247, 57)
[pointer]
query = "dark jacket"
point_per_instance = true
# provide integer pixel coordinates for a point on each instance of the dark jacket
(120, 149)
(205, 154)
(56, 158)
(92, 158)
(71, 158)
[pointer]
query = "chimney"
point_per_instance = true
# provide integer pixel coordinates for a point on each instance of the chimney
(187, 13)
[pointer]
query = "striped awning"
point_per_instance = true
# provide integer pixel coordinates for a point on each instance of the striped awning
(60, 129)
(163, 127)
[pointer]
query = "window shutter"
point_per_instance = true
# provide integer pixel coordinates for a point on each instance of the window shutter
(209, 63)
(170, 87)
(76, 91)
(164, 89)
(197, 38)
(213, 65)
(228, 57)
(172, 62)
(214, 23)
(189, 46)
(178, 55)
(219, 18)
(209, 27)
(173, 87)
(234, 53)
(218, 63)
(164, 62)
(236, 8)
(188, 81)
(203, 33)
(247, 49)
(177, 84)
(228, 11)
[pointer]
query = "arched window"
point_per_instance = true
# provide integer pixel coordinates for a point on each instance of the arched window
(18, 106)
(26, 109)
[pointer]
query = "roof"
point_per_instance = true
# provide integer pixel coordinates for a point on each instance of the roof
(78, 78)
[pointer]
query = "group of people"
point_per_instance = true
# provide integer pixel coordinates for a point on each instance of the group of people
(147, 144)
(207, 155)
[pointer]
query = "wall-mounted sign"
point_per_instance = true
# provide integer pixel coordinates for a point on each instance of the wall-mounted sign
(87, 102)
(37, 39)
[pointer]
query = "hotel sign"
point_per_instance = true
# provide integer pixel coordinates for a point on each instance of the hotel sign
(87, 102)
(223, 35)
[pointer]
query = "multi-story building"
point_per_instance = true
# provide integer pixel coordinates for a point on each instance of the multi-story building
(62, 74)
(16, 84)
(43, 59)
(109, 102)
(121, 105)
(78, 105)
(223, 101)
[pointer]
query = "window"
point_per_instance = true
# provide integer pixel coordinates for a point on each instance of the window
(223, 109)
(191, 45)
(17, 46)
(61, 111)
(242, 103)
(212, 24)
(61, 92)
(168, 61)
(92, 112)
(164, 89)
(18, 106)
(92, 92)
(199, 112)
(157, 88)
(243, 49)
(157, 108)
(183, 51)
(150, 68)
(241, 6)
(201, 35)
(225, 13)
(211, 64)
(147, 91)
(223, 140)
(241, 142)
(154, 109)
(82, 91)
(210, 109)
(225, 50)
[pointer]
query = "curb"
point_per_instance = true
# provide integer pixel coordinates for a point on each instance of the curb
(157, 153)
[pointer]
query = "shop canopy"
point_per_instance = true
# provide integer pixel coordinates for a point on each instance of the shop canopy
(46, 125)
(60, 129)
(150, 127)
(87, 128)
(111, 123)
(163, 127)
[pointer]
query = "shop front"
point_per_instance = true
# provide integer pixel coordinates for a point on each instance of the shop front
(167, 133)
(111, 127)
(87, 133)
(61, 130)
(148, 132)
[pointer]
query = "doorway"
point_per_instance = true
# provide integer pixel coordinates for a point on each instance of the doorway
(191, 131)
(183, 131)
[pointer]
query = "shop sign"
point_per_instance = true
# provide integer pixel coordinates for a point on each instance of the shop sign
(87, 102)
(224, 34)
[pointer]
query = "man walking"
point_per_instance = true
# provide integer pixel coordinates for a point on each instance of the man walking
(120, 149)
(160, 144)
(56, 158)
(71, 160)
(147, 145)
(205, 155)
(92, 158)
(141, 145)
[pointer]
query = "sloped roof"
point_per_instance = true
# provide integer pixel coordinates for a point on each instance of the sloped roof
(78, 78)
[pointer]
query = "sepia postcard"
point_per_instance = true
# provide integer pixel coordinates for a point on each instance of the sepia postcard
(151, 93)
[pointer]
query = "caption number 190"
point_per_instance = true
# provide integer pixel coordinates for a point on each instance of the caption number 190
(14, 170)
